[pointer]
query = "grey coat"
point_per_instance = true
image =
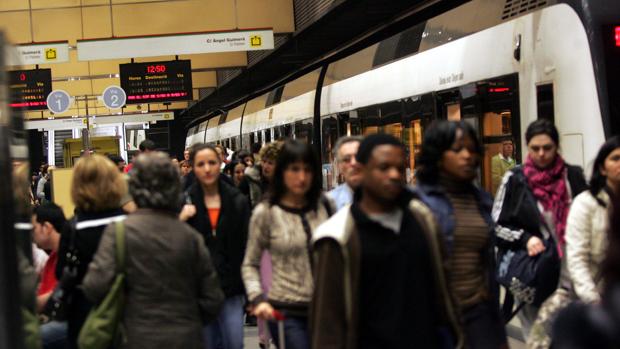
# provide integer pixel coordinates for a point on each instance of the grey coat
(172, 286)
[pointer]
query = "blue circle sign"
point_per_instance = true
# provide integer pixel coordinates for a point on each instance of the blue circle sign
(114, 97)
(58, 101)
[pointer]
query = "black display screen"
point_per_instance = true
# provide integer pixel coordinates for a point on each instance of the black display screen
(29, 88)
(611, 50)
(156, 82)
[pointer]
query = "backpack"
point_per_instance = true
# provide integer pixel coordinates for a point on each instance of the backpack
(102, 327)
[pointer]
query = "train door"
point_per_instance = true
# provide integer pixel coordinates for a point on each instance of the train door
(492, 108)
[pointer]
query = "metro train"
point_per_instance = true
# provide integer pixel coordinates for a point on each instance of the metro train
(497, 64)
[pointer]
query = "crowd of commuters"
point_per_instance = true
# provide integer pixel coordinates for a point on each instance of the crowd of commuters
(373, 263)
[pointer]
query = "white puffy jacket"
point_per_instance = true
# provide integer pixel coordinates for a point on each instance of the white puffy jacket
(586, 241)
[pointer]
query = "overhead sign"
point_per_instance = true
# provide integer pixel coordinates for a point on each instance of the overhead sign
(117, 48)
(47, 53)
(157, 81)
(58, 101)
(71, 123)
(29, 88)
(114, 97)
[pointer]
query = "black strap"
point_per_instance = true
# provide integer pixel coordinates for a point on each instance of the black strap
(507, 312)
(327, 205)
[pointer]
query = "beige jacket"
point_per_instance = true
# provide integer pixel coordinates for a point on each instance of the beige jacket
(586, 239)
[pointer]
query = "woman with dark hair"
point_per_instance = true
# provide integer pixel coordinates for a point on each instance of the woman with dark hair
(447, 167)
(586, 240)
(169, 272)
(533, 201)
(283, 225)
(235, 170)
(585, 326)
(221, 214)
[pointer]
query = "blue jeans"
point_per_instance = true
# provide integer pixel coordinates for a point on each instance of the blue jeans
(295, 333)
(226, 331)
(54, 335)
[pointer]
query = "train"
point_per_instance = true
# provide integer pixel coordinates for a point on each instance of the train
(498, 65)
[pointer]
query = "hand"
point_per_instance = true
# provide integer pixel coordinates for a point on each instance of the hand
(263, 311)
(187, 212)
(535, 246)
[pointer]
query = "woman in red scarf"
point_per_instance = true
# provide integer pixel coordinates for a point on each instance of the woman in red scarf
(534, 199)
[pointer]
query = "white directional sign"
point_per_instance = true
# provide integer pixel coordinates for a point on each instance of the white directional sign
(58, 101)
(114, 97)
(152, 46)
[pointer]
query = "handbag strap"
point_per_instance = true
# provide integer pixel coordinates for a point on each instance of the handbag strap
(120, 246)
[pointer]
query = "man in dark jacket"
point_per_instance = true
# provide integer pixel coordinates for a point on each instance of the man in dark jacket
(382, 251)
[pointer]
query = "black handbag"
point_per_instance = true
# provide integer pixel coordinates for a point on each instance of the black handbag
(528, 279)
(56, 307)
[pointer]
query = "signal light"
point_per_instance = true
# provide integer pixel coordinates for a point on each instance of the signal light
(618, 36)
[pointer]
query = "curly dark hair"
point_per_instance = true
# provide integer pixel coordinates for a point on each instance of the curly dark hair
(439, 138)
(155, 183)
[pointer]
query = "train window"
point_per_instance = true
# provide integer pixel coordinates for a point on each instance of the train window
(267, 135)
(256, 104)
(301, 85)
(357, 63)
(544, 102)
(235, 113)
(303, 130)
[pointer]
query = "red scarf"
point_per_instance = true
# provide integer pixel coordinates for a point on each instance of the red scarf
(549, 188)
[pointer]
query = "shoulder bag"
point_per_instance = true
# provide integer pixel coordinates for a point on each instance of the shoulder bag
(103, 324)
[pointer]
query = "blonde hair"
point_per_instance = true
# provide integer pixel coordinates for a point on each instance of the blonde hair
(21, 187)
(97, 184)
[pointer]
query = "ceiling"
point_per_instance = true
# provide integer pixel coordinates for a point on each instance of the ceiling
(36, 21)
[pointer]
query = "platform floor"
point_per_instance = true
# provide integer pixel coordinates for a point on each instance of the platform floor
(251, 340)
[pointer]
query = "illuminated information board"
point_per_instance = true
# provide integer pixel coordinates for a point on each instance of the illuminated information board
(156, 82)
(29, 88)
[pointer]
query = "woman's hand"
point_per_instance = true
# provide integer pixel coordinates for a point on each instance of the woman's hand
(535, 246)
(187, 212)
(263, 311)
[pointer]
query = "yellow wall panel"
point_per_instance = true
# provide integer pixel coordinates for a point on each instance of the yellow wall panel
(276, 14)
(173, 17)
(95, 2)
(101, 84)
(217, 60)
(154, 59)
(16, 26)
(96, 22)
(61, 24)
(71, 68)
(11, 5)
(46, 4)
(204, 79)
(74, 88)
(106, 67)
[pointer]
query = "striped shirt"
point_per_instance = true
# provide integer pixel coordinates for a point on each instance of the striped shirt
(471, 238)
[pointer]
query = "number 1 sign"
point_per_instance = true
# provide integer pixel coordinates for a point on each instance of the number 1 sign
(58, 101)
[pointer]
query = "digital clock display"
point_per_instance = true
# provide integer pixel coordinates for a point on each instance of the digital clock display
(29, 88)
(156, 82)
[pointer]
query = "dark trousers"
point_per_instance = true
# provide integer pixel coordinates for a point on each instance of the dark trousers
(484, 328)
(295, 333)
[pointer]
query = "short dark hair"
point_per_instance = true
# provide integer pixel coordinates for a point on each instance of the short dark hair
(542, 127)
(438, 138)
(50, 212)
(147, 144)
(598, 181)
(241, 154)
(255, 148)
(371, 142)
(115, 159)
(293, 151)
(155, 183)
(196, 148)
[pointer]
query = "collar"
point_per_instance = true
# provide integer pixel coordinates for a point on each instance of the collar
(501, 156)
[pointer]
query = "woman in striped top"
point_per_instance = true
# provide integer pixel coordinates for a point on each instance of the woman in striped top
(448, 165)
